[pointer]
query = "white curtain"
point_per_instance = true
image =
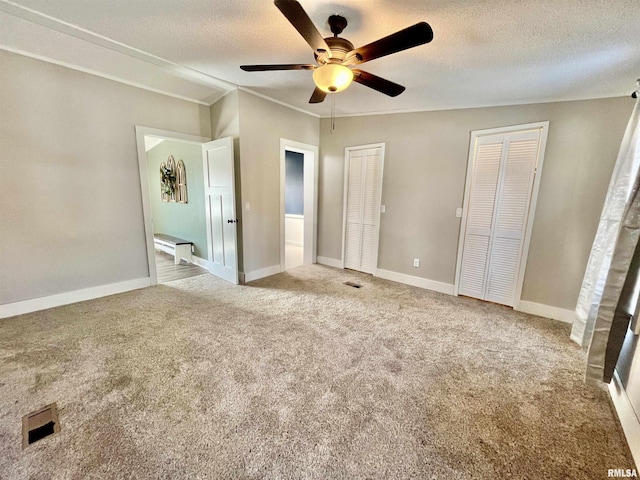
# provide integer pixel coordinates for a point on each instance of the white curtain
(620, 187)
(611, 254)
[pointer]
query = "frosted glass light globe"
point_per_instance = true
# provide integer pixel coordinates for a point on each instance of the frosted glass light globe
(332, 77)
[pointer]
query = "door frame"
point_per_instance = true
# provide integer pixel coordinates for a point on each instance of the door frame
(347, 152)
(310, 180)
(475, 134)
(143, 169)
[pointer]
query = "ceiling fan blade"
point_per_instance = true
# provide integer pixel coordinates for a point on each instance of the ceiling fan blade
(287, 66)
(377, 83)
(418, 34)
(303, 24)
(318, 96)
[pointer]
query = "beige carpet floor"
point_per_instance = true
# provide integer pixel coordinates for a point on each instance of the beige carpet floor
(300, 376)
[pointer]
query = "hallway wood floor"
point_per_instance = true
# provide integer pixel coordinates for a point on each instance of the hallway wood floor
(168, 271)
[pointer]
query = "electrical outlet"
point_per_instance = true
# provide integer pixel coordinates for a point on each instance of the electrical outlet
(247, 206)
(416, 262)
(459, 212)
(383, 208)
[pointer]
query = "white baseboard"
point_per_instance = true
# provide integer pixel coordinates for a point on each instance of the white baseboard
(555, 313)
(201, 262)
(415, 281)
(628, 417)
(329, 262)
(263, 272)
(43, 303)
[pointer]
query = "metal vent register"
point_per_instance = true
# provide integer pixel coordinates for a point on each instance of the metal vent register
(40, 424)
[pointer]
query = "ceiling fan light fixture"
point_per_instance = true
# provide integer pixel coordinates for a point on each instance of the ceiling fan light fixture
(332, 77)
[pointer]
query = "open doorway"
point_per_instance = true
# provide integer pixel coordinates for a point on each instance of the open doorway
(298, 203)
(175, 222)
(294, 209)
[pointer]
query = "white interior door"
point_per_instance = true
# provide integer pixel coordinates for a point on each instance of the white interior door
(499, 206)
(220, 198)
(363, 192)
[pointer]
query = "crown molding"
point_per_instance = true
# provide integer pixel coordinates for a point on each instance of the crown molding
(279, 102)
(105, 76)
(471, 107)
(61, 26)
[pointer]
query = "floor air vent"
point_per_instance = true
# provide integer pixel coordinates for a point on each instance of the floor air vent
(352, 284)
(40, 424)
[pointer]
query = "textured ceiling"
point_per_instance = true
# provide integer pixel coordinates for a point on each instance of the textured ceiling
(483, 52)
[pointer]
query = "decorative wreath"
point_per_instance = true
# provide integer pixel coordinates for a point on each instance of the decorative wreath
(168, 177)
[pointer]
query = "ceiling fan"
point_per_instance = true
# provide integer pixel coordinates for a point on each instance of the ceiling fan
(335, 55)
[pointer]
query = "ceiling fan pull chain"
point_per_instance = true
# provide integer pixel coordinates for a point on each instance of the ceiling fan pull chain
(333, 114)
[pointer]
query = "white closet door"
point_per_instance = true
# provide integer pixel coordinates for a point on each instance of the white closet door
(512, 208)
(484, 186)
(353, 235)
(364, 187)
(501, 188)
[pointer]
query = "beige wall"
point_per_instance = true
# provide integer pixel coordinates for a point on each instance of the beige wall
(225, 117)
(262, 125)
(71, 215)
(68, 138)
(424, 176)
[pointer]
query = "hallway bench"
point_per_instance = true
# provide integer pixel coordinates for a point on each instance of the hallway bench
(175, 246)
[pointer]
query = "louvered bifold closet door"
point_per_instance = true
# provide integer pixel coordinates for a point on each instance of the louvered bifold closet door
(511, 215)
(371, 210)
(482, 200)
(355, 190)
(363, 209)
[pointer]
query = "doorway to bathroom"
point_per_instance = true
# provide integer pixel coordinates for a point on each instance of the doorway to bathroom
(298, 203)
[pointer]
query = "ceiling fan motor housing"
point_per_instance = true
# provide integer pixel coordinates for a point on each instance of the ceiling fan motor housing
(339, 49)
